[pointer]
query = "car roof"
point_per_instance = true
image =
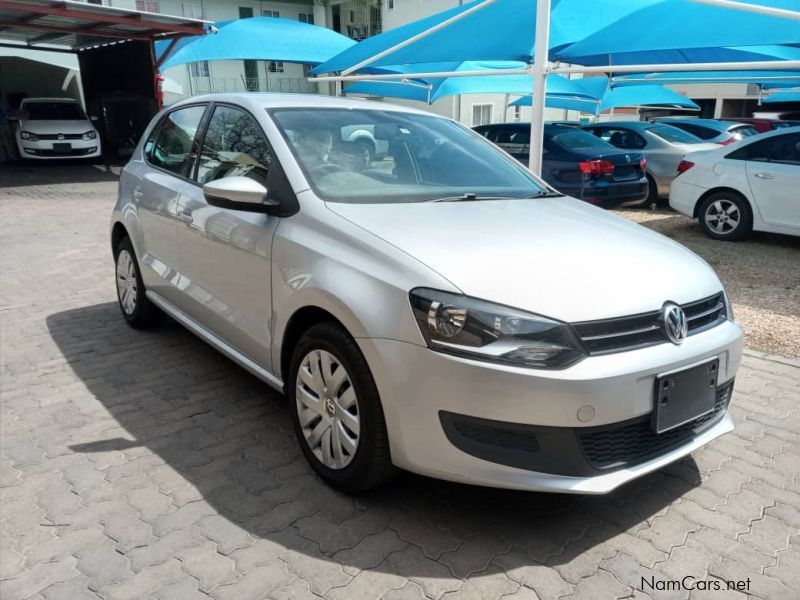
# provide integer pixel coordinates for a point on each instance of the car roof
(747, 141)
(256, 101)
(630, 124)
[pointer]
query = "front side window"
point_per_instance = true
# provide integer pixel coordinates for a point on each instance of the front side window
(53, 111)
(621, 138)
(779, 149)
(374, 156)
(234, 146)
(170, 146)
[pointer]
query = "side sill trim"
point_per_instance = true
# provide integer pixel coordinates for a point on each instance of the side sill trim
(212, 340)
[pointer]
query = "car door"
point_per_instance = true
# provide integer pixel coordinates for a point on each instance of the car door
(155, 187)
(773, 173)
(225, 254)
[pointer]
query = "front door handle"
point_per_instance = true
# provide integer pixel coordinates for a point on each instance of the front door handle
(765, 175)
(185, 216)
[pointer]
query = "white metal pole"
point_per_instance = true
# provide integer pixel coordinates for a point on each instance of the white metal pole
(755, 8)
(539, 71)
(419, 36)
(764, 65)
(424, 75)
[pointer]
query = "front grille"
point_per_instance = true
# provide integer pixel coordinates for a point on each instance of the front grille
(637, 442)
(54, 136)
(639, 331)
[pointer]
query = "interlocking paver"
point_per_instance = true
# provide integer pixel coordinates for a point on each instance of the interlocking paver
(147, 466)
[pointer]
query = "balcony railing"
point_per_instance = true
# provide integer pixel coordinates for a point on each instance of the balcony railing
(292, 85)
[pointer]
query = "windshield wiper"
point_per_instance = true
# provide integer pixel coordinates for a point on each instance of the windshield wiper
(547, 194)
(465, 198)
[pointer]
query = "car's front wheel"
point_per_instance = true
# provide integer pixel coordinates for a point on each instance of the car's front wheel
(336, 410)
(138, 311)
(726, 215)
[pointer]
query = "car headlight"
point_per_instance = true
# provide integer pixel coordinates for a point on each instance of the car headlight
(481, 330)
(90, 135)
(27, 135)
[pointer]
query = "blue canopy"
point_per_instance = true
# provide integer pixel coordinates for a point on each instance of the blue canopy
(505, 30)
(430, 90)
(258, 38)
(605, 98)
(787, 96)
(762, 77)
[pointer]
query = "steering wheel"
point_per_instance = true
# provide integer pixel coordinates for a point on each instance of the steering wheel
(327, 169)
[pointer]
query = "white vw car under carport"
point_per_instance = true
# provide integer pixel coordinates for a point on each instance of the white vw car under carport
(436, 308)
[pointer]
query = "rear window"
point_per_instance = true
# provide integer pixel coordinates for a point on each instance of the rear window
(744, 131)
(52, 111)
(576, 140)
(674, 135)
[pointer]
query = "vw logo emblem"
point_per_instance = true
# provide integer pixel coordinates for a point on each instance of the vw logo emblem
(674, 322)
(61, 136)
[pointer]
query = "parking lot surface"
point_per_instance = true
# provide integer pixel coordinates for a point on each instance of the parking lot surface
(140, 465)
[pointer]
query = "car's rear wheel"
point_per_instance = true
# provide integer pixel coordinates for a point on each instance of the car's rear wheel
(336, 410)
(137, 310)
(652, 192)
(726, 215)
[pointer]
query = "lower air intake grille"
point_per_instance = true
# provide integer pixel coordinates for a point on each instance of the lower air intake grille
(637, 442)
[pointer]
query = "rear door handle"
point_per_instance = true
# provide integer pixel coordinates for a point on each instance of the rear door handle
(765, 175)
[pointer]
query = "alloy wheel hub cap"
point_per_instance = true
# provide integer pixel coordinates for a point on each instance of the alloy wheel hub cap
(327, 409)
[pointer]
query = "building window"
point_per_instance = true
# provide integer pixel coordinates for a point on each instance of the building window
(390, 4)
(199, 69)
(145, 5)
(193, 11)
(306, 18)
(481, 114)
(100, 3)
(245, 12)
(275, 66)
(275, 14)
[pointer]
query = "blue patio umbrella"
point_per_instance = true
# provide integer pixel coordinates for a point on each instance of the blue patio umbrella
(505, 30)
(766, 78)
(258, 38)
(782, 96)
(430, 90)
(605, 98)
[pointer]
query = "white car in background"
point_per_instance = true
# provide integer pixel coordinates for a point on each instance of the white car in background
(55, 128)
(753, 184)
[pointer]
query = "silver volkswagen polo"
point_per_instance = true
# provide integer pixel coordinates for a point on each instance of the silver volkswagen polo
(432, 307)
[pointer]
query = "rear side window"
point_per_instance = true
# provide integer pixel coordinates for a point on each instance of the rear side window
(674, 134)
(170, 144)
(234, 146)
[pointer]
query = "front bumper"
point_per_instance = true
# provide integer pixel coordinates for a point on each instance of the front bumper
(421, 389)
(50, 149)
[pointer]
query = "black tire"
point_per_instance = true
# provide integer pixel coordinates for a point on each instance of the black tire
(371, 463)
(369, 149)
(731, 231)
(144, 313)
(652, 193)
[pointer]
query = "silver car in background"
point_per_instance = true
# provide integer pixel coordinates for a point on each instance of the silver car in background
(437, 309)
(663, 146)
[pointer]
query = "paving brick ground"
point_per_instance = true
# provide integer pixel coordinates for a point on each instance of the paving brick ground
(140, 465)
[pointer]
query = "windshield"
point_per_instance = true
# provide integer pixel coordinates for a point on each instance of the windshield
(575, 140)
(375, 156)
(675, 135)
(53, 111)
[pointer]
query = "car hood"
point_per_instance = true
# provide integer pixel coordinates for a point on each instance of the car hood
(54, 126)
(556, 257)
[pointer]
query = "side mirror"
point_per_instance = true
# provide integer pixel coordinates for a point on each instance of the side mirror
(94, 118)
(238, 193)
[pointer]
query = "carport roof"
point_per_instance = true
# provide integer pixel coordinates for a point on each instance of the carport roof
(74, 25)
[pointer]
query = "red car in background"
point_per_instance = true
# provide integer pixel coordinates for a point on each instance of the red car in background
(763, 124)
